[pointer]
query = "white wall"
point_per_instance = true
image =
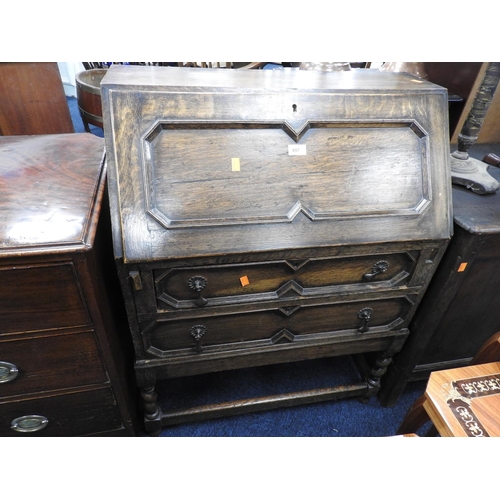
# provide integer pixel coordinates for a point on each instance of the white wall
(68, 71)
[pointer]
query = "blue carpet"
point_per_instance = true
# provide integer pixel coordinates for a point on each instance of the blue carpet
(341, 418)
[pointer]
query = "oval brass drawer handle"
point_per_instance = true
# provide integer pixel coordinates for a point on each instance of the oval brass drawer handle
(365, 315)
(380, 267)
(29, 423)
(197, 332)
(8, 372)
(198, 283)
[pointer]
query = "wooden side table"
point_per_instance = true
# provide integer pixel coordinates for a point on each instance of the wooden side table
(63, 360)
(461, 402)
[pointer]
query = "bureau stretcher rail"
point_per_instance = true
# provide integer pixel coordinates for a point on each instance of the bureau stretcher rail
(239, 407)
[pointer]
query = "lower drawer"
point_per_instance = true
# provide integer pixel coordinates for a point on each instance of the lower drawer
(74, 414)
(164, 336)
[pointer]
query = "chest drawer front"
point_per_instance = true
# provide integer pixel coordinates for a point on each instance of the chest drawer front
(40, 298)
(52, 362)
(217, 285)
(273, 326)
(74, 414)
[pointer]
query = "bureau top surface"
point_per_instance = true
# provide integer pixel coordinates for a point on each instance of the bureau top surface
(49, 187)
(211, 162)
(264, 80)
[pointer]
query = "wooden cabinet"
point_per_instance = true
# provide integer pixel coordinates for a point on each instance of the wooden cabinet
(459, 311)
(64, 368)
(264, 217)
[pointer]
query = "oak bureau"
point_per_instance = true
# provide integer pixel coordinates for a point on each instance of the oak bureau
(264, 217)
(64, 370)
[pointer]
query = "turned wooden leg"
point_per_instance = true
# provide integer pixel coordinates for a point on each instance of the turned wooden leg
(415, 418)
(378, 370)
(375, 373)
(152, 412)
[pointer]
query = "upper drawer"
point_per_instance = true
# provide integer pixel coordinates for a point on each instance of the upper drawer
(49, 363)
(40, 298)
(205, 162)
(188, 287)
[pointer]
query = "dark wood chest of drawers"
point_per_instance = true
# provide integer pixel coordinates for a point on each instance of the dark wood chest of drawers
(62, 365)
(264, 217)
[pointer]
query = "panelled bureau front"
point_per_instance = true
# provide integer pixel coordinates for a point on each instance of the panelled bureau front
(265, 217)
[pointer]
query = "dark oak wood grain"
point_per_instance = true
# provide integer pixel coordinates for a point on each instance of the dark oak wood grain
(272, 216)
(366, 146)
(276, 277)
(269, 324)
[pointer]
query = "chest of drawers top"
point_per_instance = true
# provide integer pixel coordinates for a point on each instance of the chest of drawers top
(214, 162)
(49, 200)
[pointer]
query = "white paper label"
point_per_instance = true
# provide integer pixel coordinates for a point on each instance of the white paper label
(235, 164)
(297, 150)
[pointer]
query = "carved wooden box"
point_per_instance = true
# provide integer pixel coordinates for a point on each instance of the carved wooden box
(262, 217)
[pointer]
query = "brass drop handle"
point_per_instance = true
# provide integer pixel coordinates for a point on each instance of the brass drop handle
(8, 372)
(197, 332)
(198, 283)
(29, 423)
(380, 267)
(365, 315)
